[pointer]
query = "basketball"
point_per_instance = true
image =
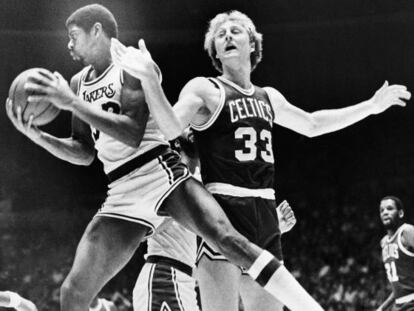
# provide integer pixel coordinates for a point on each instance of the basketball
(43, 112)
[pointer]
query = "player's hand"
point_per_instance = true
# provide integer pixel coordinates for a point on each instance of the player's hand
(137, 62)
(389, 95)
(286, 217)
(28, 128)
(50, 87)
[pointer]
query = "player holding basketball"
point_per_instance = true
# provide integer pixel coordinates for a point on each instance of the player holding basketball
(147, 179)
(397, 255)
(233, 121)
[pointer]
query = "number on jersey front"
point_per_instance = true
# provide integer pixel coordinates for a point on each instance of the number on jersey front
(110, 107)
(250, 137)
(391, 270)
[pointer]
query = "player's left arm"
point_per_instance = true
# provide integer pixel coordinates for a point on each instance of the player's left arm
(326, 121)
(127, 126)
(407, 238)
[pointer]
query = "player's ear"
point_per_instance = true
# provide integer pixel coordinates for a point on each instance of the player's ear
(252, 46)
(97, 29)
(401, 213)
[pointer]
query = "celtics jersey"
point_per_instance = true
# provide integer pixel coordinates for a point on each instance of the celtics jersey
(235, 144)
(399, 264)
(105, 93)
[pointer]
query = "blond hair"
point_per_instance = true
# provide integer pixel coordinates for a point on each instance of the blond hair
(247, 23)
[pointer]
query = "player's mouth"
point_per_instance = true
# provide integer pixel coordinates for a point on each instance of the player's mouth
(230, 47)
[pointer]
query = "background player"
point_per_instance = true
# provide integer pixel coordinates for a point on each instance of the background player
(13, 300)
(233, 121)
(166, 281)
(397, 255)
(147, 179)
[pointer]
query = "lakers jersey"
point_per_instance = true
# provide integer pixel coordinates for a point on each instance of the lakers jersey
(399, 265)
(235, 144)
(105, 92)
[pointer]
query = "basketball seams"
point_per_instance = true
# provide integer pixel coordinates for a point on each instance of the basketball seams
(43, 112)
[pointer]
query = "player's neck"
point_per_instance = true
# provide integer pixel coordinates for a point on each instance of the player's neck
(101, 63)
(239, 76)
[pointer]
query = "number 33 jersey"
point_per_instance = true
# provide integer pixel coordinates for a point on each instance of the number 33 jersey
(399, 265)
(105, 93)
(235, 144)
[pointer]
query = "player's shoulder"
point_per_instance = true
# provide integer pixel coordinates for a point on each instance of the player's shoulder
(407, 230)
(199, 85)
(273, 93)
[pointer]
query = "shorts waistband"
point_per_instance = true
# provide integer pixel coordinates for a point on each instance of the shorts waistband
(404, 299)
(137, 162)
(235, 191)
(171, 262)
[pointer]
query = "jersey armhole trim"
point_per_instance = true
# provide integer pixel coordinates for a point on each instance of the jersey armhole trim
(216, 113)
(401, 246)
(274, 106)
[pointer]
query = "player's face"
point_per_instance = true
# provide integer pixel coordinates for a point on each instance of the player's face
(79, 43)
(389, 213)
(232, 40)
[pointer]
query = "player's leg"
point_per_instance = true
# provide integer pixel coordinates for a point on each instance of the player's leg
(192, 206)
(162, 286)
(216, 277)
(106, 246)
(254, 297)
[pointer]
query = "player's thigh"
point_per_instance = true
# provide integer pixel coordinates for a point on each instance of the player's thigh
(195, 208)
(105, 247)
(255, 298)
(218, 281)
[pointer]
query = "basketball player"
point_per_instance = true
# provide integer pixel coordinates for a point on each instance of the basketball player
(13, 300)
(167, 273)
(233, 121)
(397, 255)
(146, 179)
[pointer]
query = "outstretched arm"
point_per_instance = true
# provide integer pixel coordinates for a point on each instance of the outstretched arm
(327, 121)
(77, 149)
(172, 121)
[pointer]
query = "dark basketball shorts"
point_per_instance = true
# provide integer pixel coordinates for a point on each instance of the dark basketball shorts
(164, 287)
(255, 218)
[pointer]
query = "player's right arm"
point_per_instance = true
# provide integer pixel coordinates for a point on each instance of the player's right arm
(77, 149)
(387, 304)
(191, 107)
